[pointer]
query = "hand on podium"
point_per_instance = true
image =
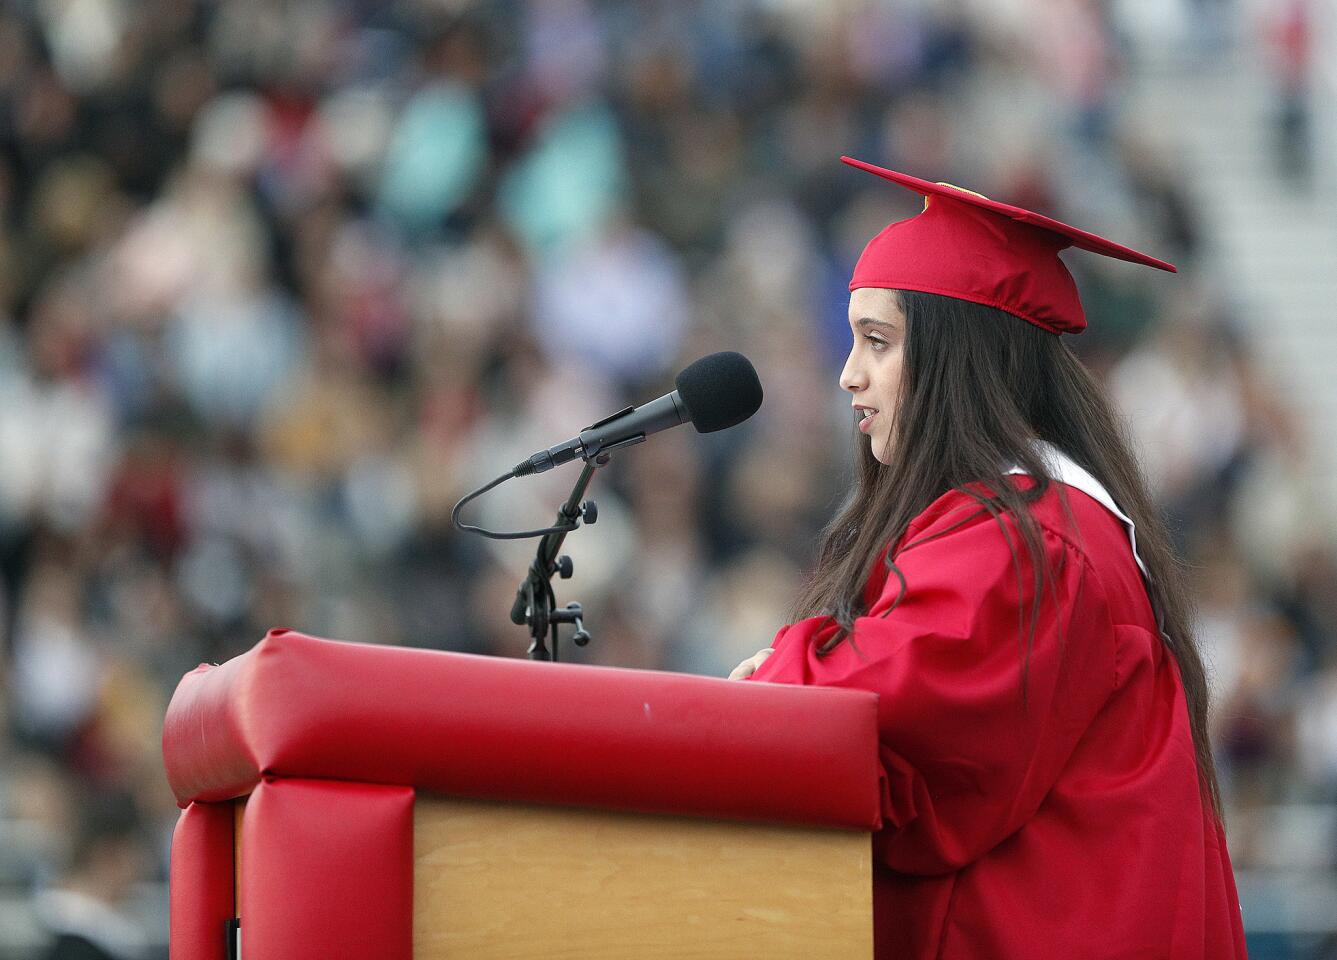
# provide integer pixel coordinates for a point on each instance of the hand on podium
(750, 665)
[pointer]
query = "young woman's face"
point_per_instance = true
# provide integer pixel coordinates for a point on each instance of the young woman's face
(873, 370)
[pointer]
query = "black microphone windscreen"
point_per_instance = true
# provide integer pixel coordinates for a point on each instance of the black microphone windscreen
(720, 391)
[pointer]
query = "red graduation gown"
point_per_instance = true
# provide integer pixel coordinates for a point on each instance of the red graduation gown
(1074, 829)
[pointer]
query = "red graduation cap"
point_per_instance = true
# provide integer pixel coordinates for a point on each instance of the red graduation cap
(967, 246)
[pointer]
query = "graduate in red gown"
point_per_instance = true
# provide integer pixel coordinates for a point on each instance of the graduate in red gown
(1001, 579)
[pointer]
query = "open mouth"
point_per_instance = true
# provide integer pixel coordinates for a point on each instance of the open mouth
(865, 418)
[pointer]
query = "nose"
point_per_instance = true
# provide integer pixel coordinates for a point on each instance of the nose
(852, 377)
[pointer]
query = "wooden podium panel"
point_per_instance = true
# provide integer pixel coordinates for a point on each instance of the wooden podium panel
(505, 882)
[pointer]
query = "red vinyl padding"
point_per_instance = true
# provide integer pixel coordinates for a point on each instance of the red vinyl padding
(327, 871)
(515, 730)
(202, 881)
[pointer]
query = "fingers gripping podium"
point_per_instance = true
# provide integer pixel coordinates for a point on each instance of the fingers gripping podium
(352, 800)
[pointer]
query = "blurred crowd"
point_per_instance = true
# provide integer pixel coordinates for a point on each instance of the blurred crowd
(280, 282)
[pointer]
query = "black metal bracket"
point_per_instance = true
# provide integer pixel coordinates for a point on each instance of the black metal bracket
(535, 603)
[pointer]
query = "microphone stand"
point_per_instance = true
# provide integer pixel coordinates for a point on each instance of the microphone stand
(535, 603)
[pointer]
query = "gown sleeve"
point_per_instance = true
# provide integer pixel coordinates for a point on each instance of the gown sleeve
(964, 763)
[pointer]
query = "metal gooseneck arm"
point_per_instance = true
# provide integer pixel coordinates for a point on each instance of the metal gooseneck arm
(535, 603)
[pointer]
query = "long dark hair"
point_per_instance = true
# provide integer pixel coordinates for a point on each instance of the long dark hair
(979, 385)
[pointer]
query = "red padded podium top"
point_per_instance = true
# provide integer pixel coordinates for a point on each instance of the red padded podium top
(515, 730)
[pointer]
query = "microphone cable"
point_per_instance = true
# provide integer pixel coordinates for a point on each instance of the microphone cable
(503, 535)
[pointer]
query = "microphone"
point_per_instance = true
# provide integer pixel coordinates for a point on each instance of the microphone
(714, 393)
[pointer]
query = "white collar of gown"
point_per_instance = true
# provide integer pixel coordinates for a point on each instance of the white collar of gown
(1064, 469)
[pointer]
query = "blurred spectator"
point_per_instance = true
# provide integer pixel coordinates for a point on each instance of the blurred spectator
(1185, 406)
(56, 669)
(84, 912)
(1289, 29)
(616, 302)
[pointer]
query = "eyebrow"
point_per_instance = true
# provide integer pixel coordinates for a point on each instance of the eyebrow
(871, 322)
